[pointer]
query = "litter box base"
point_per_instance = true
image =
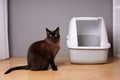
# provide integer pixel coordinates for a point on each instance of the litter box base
(88, 56)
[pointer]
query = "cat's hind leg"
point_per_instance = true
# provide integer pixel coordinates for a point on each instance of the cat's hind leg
(45, 68)
(35, 67)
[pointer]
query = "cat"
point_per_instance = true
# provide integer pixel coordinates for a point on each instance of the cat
(42, 53)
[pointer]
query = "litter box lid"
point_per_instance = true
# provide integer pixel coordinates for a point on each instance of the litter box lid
(72, 38)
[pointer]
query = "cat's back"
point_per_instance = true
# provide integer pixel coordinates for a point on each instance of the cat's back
(37, 45)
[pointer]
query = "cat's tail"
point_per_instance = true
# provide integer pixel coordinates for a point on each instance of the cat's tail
(17, 68)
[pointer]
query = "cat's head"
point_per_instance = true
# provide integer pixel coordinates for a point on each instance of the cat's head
(53, 35)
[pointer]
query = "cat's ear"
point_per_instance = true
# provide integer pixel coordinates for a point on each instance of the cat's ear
(48, 31)
(57, 30)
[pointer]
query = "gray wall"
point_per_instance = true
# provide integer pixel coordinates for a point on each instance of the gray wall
(29, 18)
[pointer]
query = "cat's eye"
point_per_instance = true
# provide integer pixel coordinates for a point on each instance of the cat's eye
(50, 35)
(56, 35)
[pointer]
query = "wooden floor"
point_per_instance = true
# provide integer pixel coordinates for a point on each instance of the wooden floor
(67, 71)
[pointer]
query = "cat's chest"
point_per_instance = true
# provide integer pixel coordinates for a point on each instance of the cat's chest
(54, 48)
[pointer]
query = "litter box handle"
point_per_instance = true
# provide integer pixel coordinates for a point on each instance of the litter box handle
(87, 18)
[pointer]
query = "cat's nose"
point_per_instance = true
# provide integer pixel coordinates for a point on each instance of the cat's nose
(54, 37)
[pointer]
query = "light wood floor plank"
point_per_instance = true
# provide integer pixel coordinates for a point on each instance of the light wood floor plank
(67, 71)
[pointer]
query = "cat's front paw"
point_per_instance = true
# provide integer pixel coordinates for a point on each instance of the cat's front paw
(54, 68)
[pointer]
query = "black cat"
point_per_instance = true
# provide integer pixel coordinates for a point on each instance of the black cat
(42, 53)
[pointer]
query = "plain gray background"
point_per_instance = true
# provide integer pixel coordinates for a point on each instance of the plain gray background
(29, 18)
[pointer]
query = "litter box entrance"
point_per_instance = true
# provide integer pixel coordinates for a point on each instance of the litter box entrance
(88, 33)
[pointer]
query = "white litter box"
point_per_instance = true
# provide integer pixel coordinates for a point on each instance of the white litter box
(87, 40)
